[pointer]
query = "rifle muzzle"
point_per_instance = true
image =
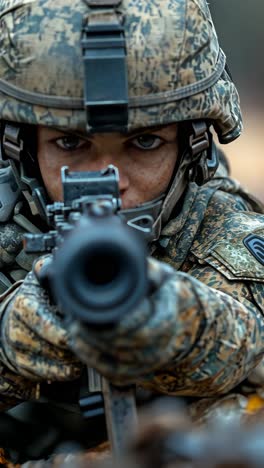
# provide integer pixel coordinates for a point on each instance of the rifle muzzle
(99, 273)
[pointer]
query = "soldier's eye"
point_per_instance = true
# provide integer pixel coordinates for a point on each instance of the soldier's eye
(70, 142)
(147, 142)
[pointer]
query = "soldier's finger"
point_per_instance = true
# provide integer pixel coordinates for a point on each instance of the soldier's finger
(36, 367)
(18, 336)
(41, 267)
(40, 318)
(158, 272)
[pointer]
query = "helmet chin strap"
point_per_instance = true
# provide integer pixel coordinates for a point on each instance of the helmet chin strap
(173, 196)
(143, 217)
(14, 149)
(151, 216)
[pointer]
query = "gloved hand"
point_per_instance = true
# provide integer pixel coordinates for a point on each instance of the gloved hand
(34, 341)
(118, 352)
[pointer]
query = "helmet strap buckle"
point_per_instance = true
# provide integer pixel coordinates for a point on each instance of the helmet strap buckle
(204, 153)
(199, 139)
(13, 145)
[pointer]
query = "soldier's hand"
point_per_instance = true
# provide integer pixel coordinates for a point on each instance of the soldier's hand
(34, 340)
(113, 351)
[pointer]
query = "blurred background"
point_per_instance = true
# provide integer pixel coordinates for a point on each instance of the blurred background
(239, 24)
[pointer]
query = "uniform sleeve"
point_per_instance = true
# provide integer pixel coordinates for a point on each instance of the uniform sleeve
(15, 389)
(199, 334)
(14, 264)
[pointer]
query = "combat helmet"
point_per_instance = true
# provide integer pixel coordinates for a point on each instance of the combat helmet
(114, 65)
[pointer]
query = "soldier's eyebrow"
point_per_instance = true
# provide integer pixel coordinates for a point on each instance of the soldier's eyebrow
(142, 130)
(127, 135)
(136, 131)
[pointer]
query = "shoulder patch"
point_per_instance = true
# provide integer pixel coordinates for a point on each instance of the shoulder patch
(237, 257)
(255, 245)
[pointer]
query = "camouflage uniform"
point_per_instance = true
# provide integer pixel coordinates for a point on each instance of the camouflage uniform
(200, 332)
(209, 337)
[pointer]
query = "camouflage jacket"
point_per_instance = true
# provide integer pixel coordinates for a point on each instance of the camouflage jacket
(203, 334)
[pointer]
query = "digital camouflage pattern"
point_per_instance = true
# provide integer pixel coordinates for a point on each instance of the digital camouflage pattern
(176, 69)
(15, 388)
(201, 333)
(32, 327)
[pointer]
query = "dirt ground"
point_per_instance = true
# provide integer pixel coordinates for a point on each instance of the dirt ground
(246, 155)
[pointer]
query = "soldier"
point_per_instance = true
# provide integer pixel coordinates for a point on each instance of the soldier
(147, 110)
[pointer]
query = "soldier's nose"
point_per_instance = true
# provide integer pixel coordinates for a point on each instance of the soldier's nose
(123, 182)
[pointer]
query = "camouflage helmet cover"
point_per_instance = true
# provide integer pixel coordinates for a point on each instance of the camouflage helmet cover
(176, 69)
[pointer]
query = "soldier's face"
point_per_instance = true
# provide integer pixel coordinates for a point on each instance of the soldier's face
(145, 159)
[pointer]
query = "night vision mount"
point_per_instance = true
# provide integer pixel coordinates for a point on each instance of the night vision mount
(105, 67)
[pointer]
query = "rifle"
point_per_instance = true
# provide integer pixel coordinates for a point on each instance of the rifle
(97, 274)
